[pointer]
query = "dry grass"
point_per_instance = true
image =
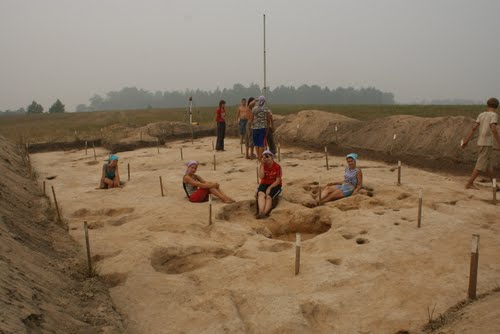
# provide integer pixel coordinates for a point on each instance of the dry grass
(67, 127)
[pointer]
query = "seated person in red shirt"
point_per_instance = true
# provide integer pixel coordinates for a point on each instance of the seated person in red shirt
(198, 189)
(270, 184)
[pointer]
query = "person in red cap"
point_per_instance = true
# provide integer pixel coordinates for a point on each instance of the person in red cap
(270, 184)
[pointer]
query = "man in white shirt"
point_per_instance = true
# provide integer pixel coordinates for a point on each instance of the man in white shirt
(487, 123)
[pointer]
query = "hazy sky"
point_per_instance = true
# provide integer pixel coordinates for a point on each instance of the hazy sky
(418, 49)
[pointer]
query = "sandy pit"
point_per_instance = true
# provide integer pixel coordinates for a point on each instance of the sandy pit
(366, 267)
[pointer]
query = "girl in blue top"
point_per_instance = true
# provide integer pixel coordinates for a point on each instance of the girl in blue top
(353, 182)
(110, 177)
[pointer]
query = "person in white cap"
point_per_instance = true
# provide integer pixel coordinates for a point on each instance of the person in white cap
(260, 124)
(270, 184)
(197, 189)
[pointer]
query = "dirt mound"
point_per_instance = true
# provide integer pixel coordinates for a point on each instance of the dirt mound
(43, 288)
(432, 142)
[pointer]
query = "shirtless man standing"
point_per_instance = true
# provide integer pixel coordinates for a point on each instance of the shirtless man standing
(242, 116)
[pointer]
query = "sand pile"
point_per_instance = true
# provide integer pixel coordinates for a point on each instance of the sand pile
(419, 141)
(366, 267)
(43, 288)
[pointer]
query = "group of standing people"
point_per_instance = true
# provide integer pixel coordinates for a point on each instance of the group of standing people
(255, 126)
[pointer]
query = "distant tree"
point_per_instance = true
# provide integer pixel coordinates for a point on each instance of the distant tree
(57, 107)
(34, 108)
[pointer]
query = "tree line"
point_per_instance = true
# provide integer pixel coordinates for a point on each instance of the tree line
(134, 98)
(37, 108)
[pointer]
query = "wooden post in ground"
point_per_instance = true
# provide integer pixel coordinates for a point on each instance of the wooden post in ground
(93, 147)
(494, 191)
(209, 209)
(336, 137)
(128, 170)
(85, 147)
(326, 158)
(279, 152)
(297, 254)
(57, 206)
(87, 242)
(215, 163)
(419, 208)
(182, 157)
(257, 169)
(474, 260)
(399, 172)
(213, 146)
(161, 187)
(392, 144)
(44, 188)
(158, 144)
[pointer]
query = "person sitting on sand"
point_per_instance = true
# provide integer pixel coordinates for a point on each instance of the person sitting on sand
(110, 177)
(353, 182)
(270, 183)
(197, 189)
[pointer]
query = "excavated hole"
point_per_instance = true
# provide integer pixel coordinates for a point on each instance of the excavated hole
(308, 224)
(176, 261)
(361, 241)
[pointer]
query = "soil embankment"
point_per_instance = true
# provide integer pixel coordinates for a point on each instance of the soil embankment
(417, 141)
(43, 287)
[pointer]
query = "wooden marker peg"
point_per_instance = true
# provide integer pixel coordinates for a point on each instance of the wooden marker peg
(87, 242)
(494, 191)
(297, 253)
(85, 147)
(44, 188)
(128, 170)
(182, 157)
(209, 209)
(161, 187)
(57, 206)
(419, 208)
(399, 173)
(326, 158)
(158, 144)
(93, 147)
(215, 163)
(213, 145)
(474, 260)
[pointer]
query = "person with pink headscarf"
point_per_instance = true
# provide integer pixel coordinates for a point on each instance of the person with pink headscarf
(197, 189)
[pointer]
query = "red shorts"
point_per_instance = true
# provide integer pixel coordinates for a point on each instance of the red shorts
(200, 195)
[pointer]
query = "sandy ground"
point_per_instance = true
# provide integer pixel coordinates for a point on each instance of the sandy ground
(371, 271)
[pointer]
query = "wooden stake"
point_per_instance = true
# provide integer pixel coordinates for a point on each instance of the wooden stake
(419, 208)
(399, 173)
(257, 169)
(326, 158)
(182, 157)
(128, 170)
(279, 152)
(474, 260)
(494, 191)
(93, 147)
(215, 163)
(85, 147)
(209, 209)
(161, 187)
(44, 188)
(336, 138)
(213, 146)
(158, 144)
(297, 254)
(87, 242)
(57, 206)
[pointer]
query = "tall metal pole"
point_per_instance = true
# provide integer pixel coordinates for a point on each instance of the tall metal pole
(264, 90)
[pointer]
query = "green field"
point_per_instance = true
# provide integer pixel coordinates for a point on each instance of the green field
(38, 128)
